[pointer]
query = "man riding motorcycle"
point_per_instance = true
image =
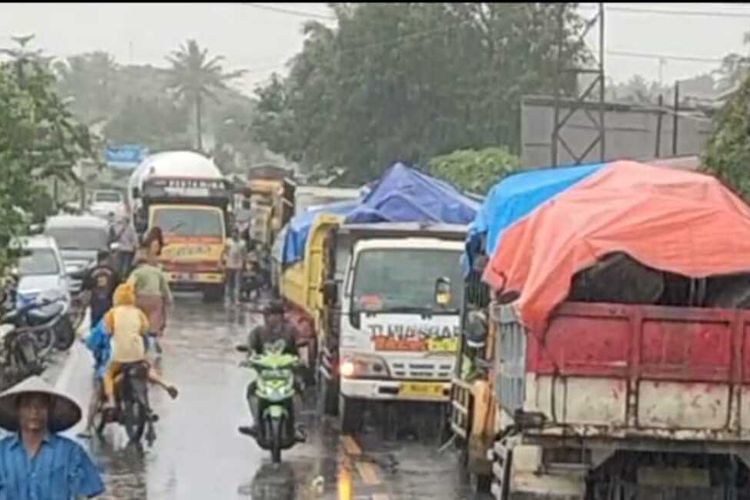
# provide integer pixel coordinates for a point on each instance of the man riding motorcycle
(275, 328)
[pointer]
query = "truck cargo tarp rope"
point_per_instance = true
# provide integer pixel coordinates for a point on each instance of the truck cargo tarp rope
(675, 221)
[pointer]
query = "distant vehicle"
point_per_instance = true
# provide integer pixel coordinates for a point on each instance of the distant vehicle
(311, 197)
(104, 202)
(41, 269)
(187, 196)
(79, 238)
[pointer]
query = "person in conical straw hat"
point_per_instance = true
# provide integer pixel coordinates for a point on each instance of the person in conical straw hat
(36, 462)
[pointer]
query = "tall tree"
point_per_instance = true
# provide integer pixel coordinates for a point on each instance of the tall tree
(409, 81)
(40, 141)
(194, 77)
(727, 152)
(89, 80)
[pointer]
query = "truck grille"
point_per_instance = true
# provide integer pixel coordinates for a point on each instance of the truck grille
(422, 370)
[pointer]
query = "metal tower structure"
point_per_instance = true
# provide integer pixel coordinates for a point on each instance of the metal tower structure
(580, 101)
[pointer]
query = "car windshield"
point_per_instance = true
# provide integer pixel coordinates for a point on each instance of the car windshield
(189, 222)
(40, 261)
(107, 197)
(404, 279)
(79, 238)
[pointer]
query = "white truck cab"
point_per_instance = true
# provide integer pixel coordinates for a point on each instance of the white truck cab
(400, 322)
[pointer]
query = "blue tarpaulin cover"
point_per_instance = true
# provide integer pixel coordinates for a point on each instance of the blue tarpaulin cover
(401, 195)
(299, 228)
(406, 195)
(512, 199)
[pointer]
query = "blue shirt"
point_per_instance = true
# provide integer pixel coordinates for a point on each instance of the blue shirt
(60, 470)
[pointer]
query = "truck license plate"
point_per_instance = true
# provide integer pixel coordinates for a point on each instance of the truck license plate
(421, 389)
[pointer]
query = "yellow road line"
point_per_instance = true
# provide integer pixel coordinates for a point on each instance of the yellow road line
(368, 473)
(351, 446)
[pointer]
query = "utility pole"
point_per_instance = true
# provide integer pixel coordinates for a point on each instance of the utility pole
(580, 101)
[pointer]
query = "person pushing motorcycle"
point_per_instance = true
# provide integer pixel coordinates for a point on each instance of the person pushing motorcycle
(275, 328)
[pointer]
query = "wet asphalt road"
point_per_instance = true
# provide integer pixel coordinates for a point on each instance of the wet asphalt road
(199, 455)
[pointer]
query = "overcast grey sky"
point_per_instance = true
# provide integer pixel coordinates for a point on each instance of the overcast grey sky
(261, 40)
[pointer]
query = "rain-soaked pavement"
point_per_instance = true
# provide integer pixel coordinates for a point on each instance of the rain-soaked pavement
(199, 455)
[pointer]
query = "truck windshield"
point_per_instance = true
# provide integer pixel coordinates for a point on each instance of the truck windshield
(189, 222)
(403, 280)
(40, 261)
(79, 238)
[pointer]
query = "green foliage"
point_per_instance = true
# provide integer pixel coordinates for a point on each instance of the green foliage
(194, 77)
(40, 141)
(727, 152)
(475, 171)
(409, 81)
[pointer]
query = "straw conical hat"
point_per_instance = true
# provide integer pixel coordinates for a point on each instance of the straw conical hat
(64, 414)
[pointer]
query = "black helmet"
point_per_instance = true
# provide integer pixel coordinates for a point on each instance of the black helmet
(274, 307)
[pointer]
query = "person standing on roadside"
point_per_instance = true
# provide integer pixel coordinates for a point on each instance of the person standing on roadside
(234, 256)
(152, 293)
(36, 463)
(125, 240)
(101, 281)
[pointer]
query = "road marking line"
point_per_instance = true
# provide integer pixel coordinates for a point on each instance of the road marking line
(368, 473)
(64, 378)
(351, 446)
(381, 496)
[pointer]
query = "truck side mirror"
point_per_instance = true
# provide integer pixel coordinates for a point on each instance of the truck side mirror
(443, 291)
(136, 192)
(330, 291)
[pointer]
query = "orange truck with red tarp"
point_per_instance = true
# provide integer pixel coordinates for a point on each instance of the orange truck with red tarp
(614, 341)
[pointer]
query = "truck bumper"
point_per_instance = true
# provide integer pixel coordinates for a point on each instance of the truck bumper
(396, 390)
(195, 279)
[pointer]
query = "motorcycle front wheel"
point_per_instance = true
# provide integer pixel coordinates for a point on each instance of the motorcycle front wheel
(275, 428)
(134, 419)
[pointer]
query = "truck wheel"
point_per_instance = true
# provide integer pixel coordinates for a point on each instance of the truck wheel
(350, 414)
(328, 397)
(213, 293)
(480, 483)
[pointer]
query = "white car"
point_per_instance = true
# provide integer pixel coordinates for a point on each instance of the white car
(41, 269)
(107, 202)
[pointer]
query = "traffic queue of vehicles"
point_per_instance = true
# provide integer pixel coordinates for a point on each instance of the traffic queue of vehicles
(591, 320)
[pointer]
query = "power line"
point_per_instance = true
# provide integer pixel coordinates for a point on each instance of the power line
(291, 12)
(644, 55)
(671, 12)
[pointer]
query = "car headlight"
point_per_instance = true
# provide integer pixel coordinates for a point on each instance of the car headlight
(363, 366)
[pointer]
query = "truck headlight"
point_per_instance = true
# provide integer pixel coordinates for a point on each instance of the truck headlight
(363, 366)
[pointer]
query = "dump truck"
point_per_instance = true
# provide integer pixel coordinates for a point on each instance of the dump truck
(270, 190)
(592, 374)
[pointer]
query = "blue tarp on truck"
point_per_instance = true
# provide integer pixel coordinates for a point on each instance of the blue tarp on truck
(407, 195)
(402, 194)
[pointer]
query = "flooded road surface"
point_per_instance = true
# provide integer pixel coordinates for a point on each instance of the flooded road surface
(199, 455)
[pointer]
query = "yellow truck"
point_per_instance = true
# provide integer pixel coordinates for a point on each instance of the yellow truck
(270, 190)
(185, 195)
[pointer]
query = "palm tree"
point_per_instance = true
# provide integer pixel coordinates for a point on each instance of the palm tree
(194, 76)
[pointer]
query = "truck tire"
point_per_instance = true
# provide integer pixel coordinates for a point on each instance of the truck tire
(328, 397)
(213, 293)
(351, 412)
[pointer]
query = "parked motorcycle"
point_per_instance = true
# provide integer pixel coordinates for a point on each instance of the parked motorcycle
(275, 393)
(41, 309)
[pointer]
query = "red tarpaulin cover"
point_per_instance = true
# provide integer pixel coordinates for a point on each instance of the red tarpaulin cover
(683, 222)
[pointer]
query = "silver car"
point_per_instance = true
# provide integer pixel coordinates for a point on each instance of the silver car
(41, 270)
(79, 238)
